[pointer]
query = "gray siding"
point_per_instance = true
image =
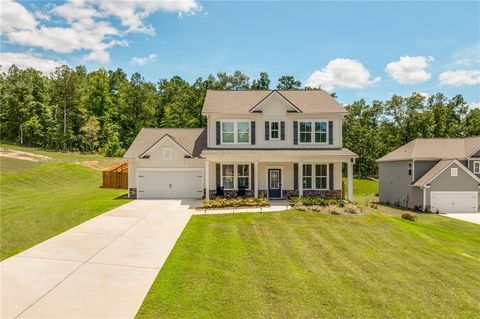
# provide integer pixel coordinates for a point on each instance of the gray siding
(395, 185)
(445, 182)
(477, 154)
(421, 167)
(470, 165)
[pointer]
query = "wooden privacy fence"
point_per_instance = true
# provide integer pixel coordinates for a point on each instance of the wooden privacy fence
(116, 177)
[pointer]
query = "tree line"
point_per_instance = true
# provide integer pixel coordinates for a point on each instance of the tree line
(103, 110)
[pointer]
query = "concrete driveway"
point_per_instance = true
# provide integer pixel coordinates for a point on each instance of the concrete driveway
(102, 268)
(472, 218)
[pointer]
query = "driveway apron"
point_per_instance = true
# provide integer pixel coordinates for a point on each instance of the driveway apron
(102, 268)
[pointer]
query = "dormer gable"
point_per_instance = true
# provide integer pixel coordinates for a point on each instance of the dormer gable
(279, 100)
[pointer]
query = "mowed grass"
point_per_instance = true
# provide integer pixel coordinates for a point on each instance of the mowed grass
(308, 265)
(42, 199)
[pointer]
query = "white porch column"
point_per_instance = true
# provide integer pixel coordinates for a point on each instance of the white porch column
(350, 180)
(300, 179)
(207, 180)
(255, 179)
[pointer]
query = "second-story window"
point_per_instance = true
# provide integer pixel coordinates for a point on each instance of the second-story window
(274, 130)
(313, 131)
(476, 167)
(305, 132)
(235, 132)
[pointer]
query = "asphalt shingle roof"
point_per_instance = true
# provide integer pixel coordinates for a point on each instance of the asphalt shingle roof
(239, 102)
(434, 148)
(193, 140)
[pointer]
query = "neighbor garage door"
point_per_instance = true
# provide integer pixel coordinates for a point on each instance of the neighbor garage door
(171, 183)
(454, 202)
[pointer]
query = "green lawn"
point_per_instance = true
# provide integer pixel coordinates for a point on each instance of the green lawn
(41, 200)
(308, 265)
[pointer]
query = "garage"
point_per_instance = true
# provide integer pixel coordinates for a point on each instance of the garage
(454, 202)
(170, 183)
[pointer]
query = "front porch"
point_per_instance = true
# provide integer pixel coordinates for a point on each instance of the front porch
(277, 179)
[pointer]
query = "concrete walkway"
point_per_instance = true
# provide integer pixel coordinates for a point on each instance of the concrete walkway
(472, 218)
(102, 268)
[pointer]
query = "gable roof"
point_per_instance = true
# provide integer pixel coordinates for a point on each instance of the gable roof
(239, 102)
(277, 93)
(434, 148)
(439, 168)
(192, 140)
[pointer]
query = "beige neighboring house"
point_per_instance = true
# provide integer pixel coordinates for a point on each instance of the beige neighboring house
(436, 175)
(257, 143)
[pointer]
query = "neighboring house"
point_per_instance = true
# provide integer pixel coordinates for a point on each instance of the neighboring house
(437, 175)
(259, 143)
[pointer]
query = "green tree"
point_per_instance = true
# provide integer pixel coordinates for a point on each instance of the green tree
(288, 82)
(263, 82)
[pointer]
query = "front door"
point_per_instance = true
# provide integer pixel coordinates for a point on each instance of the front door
(274, 183)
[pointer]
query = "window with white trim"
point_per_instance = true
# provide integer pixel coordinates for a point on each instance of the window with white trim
(321, 176)
(313, 132)
(235, 176)
(228, 132)
(454, 172)
(228, 176)
(315, 176)
(167, 153)
(235, 132)
(243, 176)
(476, 167)
(274, 130)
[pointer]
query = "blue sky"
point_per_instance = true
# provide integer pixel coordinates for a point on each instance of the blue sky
(359, 50)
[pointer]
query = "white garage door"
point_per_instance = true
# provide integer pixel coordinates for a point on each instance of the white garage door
(171, 183)
(454, 202)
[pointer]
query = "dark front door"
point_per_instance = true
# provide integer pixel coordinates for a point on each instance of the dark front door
(274, 183)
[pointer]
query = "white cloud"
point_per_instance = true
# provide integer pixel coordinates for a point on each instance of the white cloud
(410, 69)
(475, 105)
(26, 60)
(468, 57)
(132, 14)
(42, 16)
(459, 77)
(344, 73)
(88, 24)
(143, 60)
(14, 16)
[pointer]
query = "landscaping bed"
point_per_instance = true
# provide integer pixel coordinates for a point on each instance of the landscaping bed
(236, 202)
(325, 205)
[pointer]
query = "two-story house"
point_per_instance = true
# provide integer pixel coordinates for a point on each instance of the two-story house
(266, 143)
(436, 174)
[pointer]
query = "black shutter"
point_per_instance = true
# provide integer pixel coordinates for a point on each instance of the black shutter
(295, 132)
(330, 176)
(295, 176)
(252, 173)
(330, 132)
(267, 130)
(218, 132)
(282, 130)
(252, 132)
(217, 174)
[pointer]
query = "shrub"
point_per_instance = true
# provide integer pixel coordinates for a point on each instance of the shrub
(335, 210)
(352, 209)
(410, 216)
(312, 200)
(221, 202)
